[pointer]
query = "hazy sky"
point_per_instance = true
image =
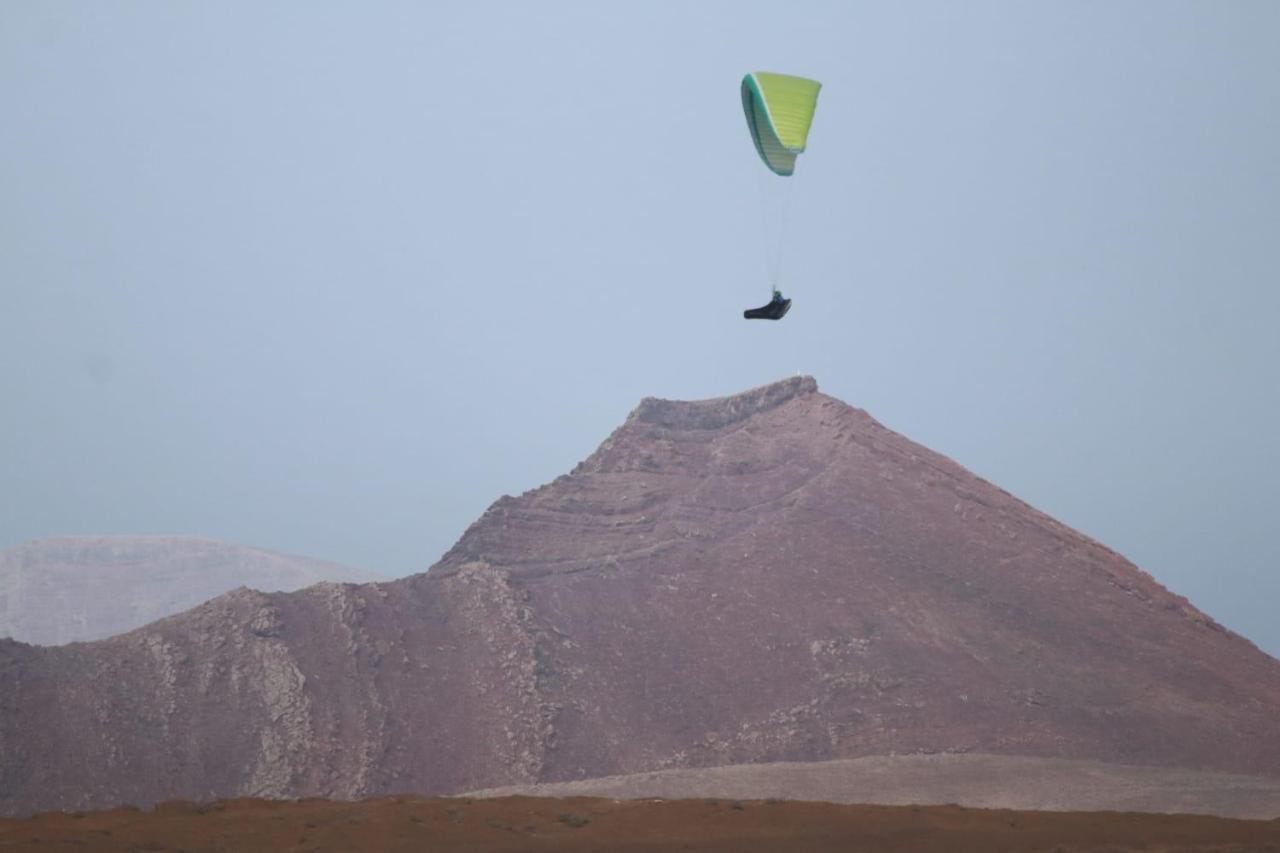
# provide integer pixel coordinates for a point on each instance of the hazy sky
(329, 278)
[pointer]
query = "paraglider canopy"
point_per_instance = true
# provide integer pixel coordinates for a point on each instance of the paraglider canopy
(779, 110)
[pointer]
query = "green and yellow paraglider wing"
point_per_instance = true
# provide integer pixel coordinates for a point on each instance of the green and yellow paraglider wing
(779, 111)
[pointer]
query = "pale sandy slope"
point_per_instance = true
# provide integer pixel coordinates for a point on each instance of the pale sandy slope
(977, 781)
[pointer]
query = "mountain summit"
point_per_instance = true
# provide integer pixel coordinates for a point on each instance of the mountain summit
(771, 576)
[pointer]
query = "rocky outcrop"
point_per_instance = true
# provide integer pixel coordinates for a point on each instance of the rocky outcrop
(77, 588)
(773, 576)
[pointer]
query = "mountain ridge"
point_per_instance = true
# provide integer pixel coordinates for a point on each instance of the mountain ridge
(770, 576)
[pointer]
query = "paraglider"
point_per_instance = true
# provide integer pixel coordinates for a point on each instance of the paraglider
(775, 309)
(779, 110)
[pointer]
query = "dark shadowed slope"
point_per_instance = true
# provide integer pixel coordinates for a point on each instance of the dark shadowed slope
(772, 576)
(74, 588)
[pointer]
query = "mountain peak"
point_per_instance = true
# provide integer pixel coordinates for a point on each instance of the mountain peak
(720, 411)
(770, 576)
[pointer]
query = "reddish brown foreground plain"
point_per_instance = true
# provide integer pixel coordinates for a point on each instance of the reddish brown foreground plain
(583, 824)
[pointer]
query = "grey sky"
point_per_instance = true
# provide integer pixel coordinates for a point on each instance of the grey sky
(329, 278)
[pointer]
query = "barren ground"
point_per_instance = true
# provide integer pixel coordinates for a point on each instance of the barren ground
(582, 824)
(976, 781)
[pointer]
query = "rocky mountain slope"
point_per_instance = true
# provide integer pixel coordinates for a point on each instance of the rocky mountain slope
(772, 576)
(73, 588)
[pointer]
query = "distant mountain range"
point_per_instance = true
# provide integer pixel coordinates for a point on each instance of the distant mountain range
(768, 577)
(75, 588)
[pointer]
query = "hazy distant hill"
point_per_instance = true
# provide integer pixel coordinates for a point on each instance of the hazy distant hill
(72, 588)
(772, 576)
